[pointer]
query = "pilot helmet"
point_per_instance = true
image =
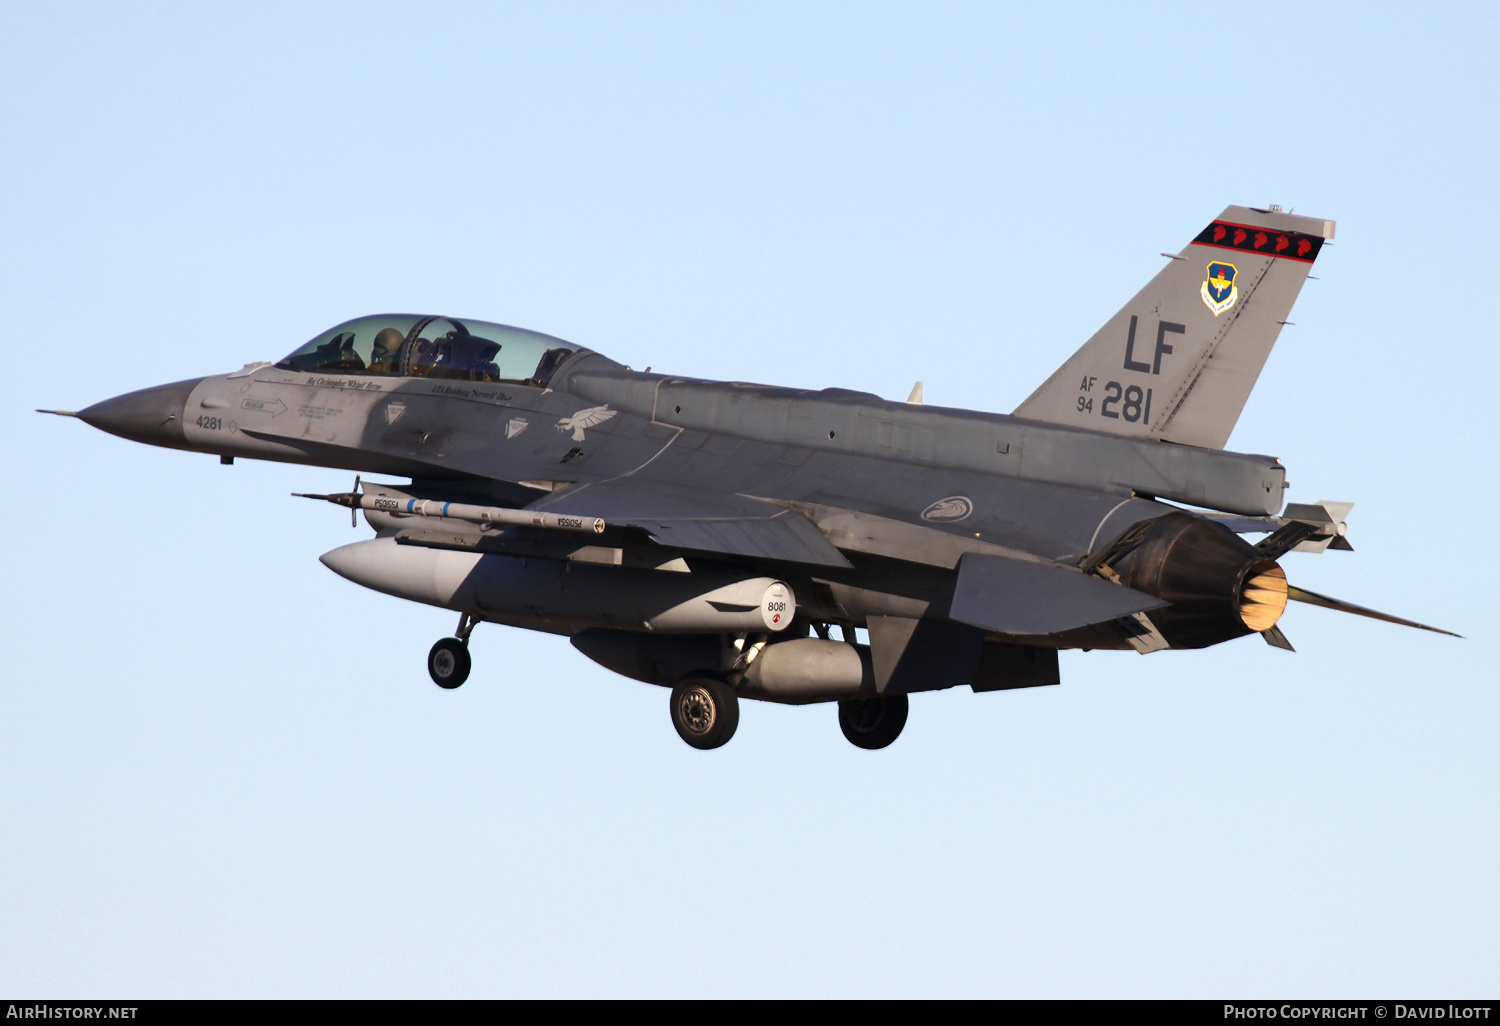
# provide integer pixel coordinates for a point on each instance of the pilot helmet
(387, 341)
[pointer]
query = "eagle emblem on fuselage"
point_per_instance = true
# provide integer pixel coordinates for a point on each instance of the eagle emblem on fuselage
(591, 417)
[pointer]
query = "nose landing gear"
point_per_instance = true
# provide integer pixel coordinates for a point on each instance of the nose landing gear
(448, 662)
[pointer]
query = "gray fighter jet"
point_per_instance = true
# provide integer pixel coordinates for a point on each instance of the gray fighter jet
(725, 539)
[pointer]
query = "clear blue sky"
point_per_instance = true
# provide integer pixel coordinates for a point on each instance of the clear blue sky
(225, 772)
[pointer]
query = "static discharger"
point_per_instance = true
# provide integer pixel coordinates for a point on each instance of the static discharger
(463, 511)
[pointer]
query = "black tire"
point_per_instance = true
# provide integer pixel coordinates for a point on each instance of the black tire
(705, 711)
(873, 722)
(448, 663)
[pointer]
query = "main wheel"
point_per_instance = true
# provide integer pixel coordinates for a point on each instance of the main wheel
(705, 711)
(448, 663)
(873, 722)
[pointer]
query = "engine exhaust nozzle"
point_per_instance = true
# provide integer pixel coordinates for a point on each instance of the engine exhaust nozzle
(1263, 597)
(1220, 586)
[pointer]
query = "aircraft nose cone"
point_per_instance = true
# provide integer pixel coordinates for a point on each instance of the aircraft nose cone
(152, 415)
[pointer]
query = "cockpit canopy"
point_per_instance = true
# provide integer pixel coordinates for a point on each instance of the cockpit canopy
(416, 346)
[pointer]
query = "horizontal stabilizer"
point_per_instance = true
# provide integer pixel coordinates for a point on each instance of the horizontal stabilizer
(1312, 598)
(1012, 596)
(722, 522)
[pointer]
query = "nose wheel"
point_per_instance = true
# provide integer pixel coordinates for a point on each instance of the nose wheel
(448, 661)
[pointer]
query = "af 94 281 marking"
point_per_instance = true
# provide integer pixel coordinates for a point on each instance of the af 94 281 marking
(1121, 402)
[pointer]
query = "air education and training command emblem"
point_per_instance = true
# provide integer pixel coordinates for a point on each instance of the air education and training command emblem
(1219, 291)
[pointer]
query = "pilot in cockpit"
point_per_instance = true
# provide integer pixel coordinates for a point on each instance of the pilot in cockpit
(383, 355)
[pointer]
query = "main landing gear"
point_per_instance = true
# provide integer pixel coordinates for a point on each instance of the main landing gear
(873, 722)
(705, 711)
(448, 662)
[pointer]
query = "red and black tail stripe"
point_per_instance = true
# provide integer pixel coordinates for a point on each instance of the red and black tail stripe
(1291, 245)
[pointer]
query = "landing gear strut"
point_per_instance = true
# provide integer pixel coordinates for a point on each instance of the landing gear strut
(448, 662)
(705, 711)
(873, 722)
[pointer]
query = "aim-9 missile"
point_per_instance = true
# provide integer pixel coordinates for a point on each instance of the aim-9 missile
(462, 511)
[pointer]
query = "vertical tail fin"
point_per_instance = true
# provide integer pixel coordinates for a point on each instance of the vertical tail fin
(1179, 361)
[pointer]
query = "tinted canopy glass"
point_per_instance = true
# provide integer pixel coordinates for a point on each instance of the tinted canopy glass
(415, 346)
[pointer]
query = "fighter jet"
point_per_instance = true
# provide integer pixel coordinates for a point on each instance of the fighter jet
(726, 540)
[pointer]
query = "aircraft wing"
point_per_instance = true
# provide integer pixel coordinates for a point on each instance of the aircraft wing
(734, 525)
(1013, 596)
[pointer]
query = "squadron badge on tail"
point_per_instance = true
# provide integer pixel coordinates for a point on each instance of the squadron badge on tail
(1219, 291)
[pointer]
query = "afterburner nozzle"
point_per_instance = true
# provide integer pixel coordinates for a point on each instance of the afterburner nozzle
(1219, 586)
(1263, 597)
